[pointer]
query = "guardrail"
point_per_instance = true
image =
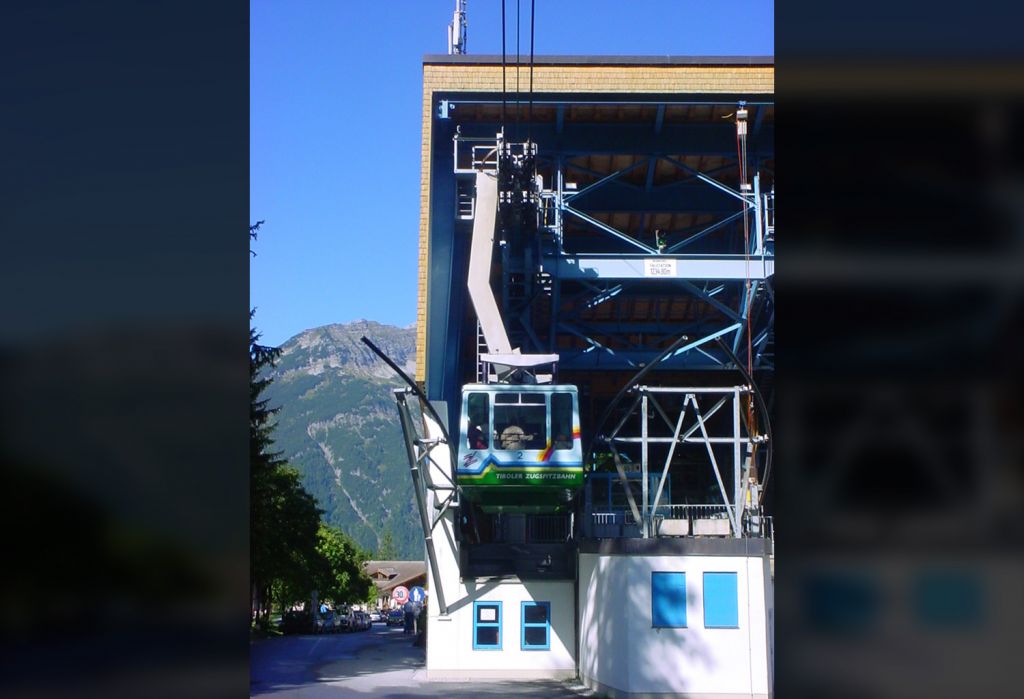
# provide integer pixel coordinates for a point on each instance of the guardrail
(692, 512)
(548, 529)
(680, 520)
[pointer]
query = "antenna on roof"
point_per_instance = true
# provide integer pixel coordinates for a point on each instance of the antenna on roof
(457, 29)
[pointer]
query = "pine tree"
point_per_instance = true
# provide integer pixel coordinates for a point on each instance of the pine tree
(283, 518)
(386, 550)
(263, 464)
(291, 552)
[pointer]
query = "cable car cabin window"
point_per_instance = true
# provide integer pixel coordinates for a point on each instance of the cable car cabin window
(478, 411)
(520, 421)
(561, 420)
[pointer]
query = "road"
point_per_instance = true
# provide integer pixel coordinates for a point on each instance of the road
(381, 662)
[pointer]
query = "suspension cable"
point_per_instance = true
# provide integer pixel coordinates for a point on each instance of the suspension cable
(503, 66)
(529, 117)
(518, 93)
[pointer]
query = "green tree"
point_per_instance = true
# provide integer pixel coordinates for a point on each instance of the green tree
(386, 550)
(292, 552)
(343, 579)
(284, 518)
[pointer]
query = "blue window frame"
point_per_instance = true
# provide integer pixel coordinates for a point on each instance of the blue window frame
(536, 626)
(668, 600)
(721, 601)
(487, 626)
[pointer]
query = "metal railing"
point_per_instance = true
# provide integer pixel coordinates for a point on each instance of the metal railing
(701, 519)
(692, 512)
(612, 525)
(482, 154)
(548, 528)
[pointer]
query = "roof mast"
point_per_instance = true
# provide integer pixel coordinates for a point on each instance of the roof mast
(457, 29)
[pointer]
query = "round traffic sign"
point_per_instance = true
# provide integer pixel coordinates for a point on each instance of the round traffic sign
(400, 594)
(417, 594)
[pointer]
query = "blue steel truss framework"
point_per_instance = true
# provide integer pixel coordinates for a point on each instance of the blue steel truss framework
(648, 232)
(704, 276)
(586, 262)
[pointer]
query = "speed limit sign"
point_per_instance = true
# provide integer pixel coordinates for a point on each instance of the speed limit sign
(400, 594)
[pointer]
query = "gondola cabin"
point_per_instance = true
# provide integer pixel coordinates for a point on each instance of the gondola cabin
(519, 447)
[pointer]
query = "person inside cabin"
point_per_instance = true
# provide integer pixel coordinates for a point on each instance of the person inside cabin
(513, 437)
(562, 441)
(536, 436)
(476, 439)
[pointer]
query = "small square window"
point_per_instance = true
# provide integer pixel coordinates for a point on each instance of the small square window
(487, 626)
(536, 626)
(487, 637)
(721, 601)
(668, 600)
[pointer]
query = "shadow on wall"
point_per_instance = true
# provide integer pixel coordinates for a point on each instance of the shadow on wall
(619, 647)
(473, 593)
(562, 623)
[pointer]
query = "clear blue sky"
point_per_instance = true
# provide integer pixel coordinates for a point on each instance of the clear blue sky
(335, 104)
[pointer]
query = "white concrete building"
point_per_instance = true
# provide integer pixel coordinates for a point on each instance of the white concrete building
(663, 616)
(684, 616)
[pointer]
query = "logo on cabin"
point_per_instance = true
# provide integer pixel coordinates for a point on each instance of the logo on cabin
(469, 459)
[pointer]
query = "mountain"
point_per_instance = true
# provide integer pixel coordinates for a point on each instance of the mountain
(339, 427)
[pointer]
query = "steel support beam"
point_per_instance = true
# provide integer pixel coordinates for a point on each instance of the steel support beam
(708, 298)
(707, 231)
(600, 225)
(705, 339)
(603, 181)
(594, 344)
(658, 267)
(578, 138)
(623, 196)
(419, 486)
(711, 181)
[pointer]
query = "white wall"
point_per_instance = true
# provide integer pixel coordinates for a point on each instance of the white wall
(450, 654)
(619, 649)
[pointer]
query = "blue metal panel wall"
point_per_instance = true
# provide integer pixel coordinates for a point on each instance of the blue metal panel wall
(442, 323)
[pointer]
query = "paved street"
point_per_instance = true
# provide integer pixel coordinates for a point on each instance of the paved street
(381, 662)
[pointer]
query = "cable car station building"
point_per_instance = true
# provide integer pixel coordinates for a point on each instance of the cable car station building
(595, 340)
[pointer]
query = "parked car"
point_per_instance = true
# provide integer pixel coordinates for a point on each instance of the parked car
(334, 623)
(297, 622)
(375, 617)
(396, 617)
(344, 619)
(364, 621)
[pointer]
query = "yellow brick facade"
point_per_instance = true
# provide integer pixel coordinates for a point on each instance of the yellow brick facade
(612, 79)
